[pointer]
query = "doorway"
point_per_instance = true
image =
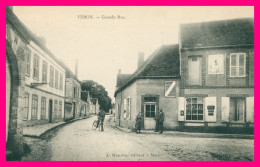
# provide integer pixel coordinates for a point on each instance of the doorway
(149, 115)
(50, 111)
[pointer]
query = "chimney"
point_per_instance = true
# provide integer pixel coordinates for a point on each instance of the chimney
(119, 71)
(140, 59)
(76, 68)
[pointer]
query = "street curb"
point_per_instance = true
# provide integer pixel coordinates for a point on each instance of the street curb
(194, 135)
(55, 127)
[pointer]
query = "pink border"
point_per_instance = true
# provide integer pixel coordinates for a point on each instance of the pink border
(4, 3)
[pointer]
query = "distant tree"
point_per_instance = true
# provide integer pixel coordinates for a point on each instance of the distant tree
(96, 91)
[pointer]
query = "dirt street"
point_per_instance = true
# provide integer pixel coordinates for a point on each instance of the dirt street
(78, 142)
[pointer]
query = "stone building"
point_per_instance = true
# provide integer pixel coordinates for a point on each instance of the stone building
(35, 81)
(217, 73)
(73, 96)
(206, 82)
(153, 86)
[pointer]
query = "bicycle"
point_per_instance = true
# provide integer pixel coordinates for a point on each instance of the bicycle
(95, 125)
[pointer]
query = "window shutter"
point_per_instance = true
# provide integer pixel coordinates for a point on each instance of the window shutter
(124, 104)
(129, 108)
(210, 109)
(250, 109)
(181, 108)
(225, 109)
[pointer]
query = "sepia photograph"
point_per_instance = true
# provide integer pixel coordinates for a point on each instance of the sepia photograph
(129, 83)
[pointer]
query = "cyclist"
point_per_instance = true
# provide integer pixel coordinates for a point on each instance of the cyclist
(101, 117)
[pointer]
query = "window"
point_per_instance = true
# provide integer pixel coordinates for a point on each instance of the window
(36, 67)
(34, 106)
(128, 107)
(55, 109)
(56, 78)
(237, 109)
(194, 70)
(194, 109)
(51, 76)
(28, 62)
(60, 109)
(150, 110)
(237, 64)
(61, 81)
(44, 71)
(43, 108)
(26, 106)
(74, 92)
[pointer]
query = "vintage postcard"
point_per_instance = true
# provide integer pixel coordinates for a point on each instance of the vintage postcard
(129, 83)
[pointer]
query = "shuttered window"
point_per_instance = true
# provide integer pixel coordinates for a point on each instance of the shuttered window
(43, 108)
(44, 71)
(194, 109)
(36, 67)
(51, 76)
(34, 106)
(26, 106)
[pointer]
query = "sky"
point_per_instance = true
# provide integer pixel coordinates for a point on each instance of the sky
(106, 39)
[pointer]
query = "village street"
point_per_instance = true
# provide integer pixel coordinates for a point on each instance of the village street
(78, 142)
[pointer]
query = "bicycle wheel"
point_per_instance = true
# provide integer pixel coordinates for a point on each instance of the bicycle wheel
(94, 125)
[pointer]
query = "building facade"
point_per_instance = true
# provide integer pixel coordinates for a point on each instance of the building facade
(35, 82)
(43, 77)
(73, 97)
(207, 84)
(217, 74)
(153, 86)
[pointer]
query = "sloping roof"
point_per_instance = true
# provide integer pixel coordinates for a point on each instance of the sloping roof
(26, 34)
(121, 79)
(163, 63)
(217, 33)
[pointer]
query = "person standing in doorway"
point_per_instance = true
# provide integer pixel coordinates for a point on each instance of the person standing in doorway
(161, 120)
(138, 123)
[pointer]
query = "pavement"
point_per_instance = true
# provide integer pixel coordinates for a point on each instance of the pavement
(79, 142)
(191, 134)
(37, 131)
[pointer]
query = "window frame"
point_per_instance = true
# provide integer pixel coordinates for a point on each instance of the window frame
(34, 107)
(56, 80)
(28, 63)
(44, 71)
(51, 83)
(36, 66)
(60, 109)
(56, 109)
(61, 82)
(43, 107)
(237, 65)
(150, 103)
(236, 111)
(26, 96)
(203, 108)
